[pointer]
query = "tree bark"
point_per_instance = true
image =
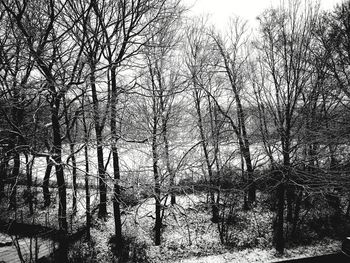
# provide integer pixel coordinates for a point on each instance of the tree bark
(155, 157)
(116, 169)
(57, 157)
(166, 149)
(46, 191)
(245, 149)
(29, 165)
(3, 174)
(215, 211)
(74, 175)
(70, 125)
(168, 165)
(297, 214)
(87, 189)
(241, 132)
(290, 202)
(102, 212)
(158, 223)
(14, 181)
(87, 170)
(279, 229)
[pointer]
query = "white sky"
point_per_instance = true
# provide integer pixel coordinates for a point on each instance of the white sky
(221, 10)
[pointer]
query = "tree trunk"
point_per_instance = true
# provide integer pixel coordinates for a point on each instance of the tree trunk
(290, 202)
(297, 214)
(116, 169)
(102, 212)
(279, 230)
(62, 194)
(241, 131)
(46, 191)
(74, 174)
(158, 223)
(3, 174)
(245, 152)
(215, 211)
(87, 193)
(62, 253)
(169, 168)
(14, 179)
(167, 156)
(286, 141)
(251, 184)
(29, 165)
(347, 213)
(70, 125)
(116, 197)
(87, 187)
(57, 157)
(215, 131)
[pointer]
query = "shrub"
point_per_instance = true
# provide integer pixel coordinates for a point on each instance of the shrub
(82, 252)
(128, 198)
(129, 250)
(243, 229)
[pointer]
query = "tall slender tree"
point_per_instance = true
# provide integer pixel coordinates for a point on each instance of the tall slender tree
(286, 38)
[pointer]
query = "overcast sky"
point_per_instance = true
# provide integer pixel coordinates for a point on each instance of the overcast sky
(221, 10)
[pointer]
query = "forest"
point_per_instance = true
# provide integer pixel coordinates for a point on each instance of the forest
(157, 137)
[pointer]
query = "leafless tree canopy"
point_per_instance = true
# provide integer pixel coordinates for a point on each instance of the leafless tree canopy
(132, 108)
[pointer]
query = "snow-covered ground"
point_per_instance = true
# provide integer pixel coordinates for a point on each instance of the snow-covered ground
(190, 237)
(258, 255)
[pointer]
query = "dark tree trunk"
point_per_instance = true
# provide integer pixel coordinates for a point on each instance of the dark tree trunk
(116, 196)
(87, 192)
(3, 175)
(87, 170)
(46, 191)
(14, 178)
(242, 132)
(102, 212)
(245, 152)
(158, 223)
(62, 253)
(74, 174)
(57, 157)
(279, 230)
(157, 179)
(246, 205)
(29, 165)
(348, 208)
(167, 155)
(290, 202)
(70, 125)
(215, 131)
(62, 194)
(215, 210)
(116, 169)
(251, 183)
(169, 168)
(297, 214)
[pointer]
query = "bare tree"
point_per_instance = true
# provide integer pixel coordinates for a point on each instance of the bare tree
(44, 39)
(160, 84)
(15, 70)
(125, 26)
(234, 53)
(285, 51)
(199, 63)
